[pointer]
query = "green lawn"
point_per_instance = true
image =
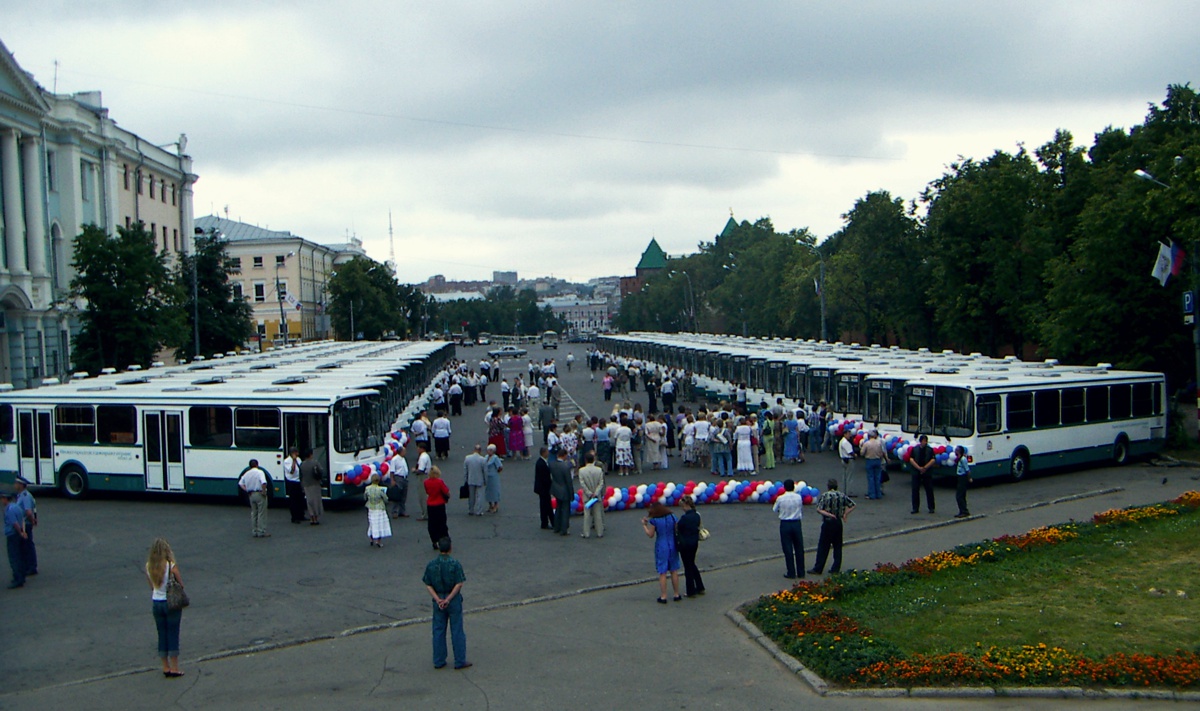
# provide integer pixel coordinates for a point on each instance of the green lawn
(1090, 595)
(1112, 601)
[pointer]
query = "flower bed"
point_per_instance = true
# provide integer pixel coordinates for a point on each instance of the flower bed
(809, 621)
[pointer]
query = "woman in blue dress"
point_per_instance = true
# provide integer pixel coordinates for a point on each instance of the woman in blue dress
(791, 438)
(492, 483)
(659, 524)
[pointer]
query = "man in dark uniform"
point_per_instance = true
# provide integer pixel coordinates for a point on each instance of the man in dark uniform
(922, 461)
(14, 536)
(541, 487)
(560, 487)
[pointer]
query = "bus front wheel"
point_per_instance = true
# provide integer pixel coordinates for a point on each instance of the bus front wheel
(1018, 466)
(1120, 453)
(74, 482)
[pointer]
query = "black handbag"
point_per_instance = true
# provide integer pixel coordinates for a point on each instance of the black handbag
(464, 492)
(394, 494)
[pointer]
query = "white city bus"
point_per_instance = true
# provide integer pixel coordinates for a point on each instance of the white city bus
(193, 428)
(550, 339)
(1039, 416)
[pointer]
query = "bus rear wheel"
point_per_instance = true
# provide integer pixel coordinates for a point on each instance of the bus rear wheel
(1018, 466)
(74, 482)
(1120, 453)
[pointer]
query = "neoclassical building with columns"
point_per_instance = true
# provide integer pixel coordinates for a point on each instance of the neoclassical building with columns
(64, 163)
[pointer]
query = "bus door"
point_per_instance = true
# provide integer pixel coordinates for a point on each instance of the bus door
(162, 441)
(305, 431)
(36, 446)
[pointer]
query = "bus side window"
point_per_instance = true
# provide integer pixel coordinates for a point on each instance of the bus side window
(257, 428)
(1097, 403)
(116, 424)
(1072, 406)
(76, 424)
(210, 426)
(1120, 402)
(1020, 411)
(1143, 399)
(1045, 408)
(988, 413)
(6, 424)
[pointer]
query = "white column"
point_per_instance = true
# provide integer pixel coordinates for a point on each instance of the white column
(14, 220)
(35, 226)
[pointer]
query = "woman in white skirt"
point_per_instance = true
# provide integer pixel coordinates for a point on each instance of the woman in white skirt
(744, 437)
(624, 447)
(378, 525)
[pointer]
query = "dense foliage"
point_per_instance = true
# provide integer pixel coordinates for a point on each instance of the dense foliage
(225, 321)
(1044, 254)
(133, 303)
(503, 310)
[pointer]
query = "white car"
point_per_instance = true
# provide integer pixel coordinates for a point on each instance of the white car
(508, 352)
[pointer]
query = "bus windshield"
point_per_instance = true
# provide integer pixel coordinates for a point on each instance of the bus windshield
(945, 411)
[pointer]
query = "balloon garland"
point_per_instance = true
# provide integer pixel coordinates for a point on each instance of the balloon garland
(359, 474)
(726, 491)
(898, 447)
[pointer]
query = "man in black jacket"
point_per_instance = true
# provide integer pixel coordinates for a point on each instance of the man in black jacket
(541, 487)
(560, 487)
(922, 462)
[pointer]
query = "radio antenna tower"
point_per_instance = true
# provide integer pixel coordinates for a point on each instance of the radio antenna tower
(391, 245)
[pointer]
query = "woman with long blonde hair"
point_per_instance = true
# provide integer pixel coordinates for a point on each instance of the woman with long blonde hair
(160, 563)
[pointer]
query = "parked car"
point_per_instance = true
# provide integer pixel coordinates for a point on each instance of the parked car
(508, 352)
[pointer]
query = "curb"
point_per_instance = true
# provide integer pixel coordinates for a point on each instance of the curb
(817, 683)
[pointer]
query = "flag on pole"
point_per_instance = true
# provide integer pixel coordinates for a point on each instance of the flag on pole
(1177, 255)
(293, 302)
(817, 286)
(1162, 264)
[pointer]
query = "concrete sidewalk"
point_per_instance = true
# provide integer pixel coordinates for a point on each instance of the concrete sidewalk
(604, 648)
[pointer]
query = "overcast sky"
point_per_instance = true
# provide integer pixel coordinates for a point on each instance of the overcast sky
(558, 138)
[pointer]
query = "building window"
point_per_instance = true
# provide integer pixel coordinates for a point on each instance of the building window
(85, 180)
(235, 264)
(165, 238)
(172, 193)
(281, 289)
(51, 179)
(237, 290)
(151, 182)
(258, 262)
(260, 292)
(174, 238)
(280, 259)
(125, 176)
(128, 222)
(162, 190)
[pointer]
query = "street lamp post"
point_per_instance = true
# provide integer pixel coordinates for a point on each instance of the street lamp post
(279, 295)
(1139, 173)
(820, 286)
(690, 300)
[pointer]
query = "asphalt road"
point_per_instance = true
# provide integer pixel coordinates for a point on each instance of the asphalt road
(87, 614)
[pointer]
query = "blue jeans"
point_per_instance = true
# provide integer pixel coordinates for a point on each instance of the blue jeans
(167, 622)
(723, 463)
(452, 615)
(874, 478)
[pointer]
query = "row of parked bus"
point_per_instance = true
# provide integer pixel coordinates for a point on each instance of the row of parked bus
(1012, 416)
(192, 428)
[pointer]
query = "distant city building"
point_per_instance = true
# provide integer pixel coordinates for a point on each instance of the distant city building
(653, 261)
(445, 296)
(273, 268)
(581, 315)
(438, 284)
(504, 278)
(64, 163)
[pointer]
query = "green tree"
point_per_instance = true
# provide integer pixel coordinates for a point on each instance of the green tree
(365, 293)
(225, 319)
(872, 278)
(1102, 304)
(986, 251)
(130, 298)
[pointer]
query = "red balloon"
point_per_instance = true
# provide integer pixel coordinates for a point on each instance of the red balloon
(383, 468)
(807, 500)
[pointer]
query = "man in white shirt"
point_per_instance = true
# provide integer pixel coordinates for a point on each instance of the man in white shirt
(456, 399)
(846, 452)
(291, 481)
(254, 482)
(398, 491)
(790, 507)
(533, 395)
(505, 393)
(424, 464)
(441, 436)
